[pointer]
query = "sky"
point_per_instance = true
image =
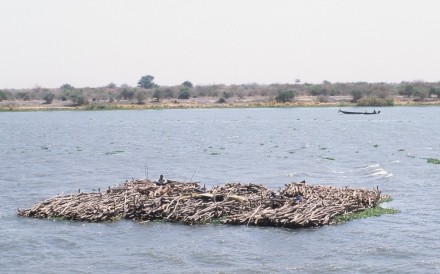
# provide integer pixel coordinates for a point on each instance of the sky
(91, 43)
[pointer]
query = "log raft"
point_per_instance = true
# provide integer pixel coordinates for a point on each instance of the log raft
(297, 205)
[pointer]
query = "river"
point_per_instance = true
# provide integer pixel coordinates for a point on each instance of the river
(43, 154)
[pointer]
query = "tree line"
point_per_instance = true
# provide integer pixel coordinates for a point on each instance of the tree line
(362, 93)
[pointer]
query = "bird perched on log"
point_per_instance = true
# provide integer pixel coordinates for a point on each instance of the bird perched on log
(161, 181)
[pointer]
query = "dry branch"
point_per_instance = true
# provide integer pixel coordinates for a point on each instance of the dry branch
(297, 205)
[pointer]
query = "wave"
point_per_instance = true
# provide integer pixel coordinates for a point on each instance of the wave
(374, 170)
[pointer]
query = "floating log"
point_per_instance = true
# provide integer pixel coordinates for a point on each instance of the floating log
(297, 205)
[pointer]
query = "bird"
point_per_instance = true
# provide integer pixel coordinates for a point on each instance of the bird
(161, 181)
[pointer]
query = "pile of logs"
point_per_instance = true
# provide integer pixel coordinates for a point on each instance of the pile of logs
(297, 205)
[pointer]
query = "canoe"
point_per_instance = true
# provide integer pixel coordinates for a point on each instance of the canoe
(358, 112)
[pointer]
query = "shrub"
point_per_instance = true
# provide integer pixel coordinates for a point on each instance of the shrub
(357, 95)
(48, 98)
(285, 96)
(157, 94)
(169, 93)
(375, 101)
(316, 90)
(184, 94)
(127, 94)
(141, 96)
(67, 87)
(322, 99)
(112, 85)
(3, 95)
(435, 91)
(226, 95)
(421, 93)
(221, 100)
(406, 90)
(27, 97)
(80, 99)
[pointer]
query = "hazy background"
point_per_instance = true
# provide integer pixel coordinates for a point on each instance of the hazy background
(92, 43)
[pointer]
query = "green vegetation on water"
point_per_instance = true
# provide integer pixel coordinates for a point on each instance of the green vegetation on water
(434, 161)
(369, 212)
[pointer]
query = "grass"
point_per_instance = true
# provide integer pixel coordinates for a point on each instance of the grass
(369, 212)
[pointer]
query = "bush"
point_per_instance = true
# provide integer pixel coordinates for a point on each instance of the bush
(375, 101)
(406, 90)
(184, 94)
(285, 96)
(221, 100)
(78, 97)
(435, 91)
(127, 94)
(48, 98)
(67, 87)
(227, 95)
(316, 90)
(357, 95)
(3, 95)
(169, 93)
(141, 96)
(157, 95)
(112, 85)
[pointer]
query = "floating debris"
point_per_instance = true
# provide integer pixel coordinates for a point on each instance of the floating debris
(297, 205)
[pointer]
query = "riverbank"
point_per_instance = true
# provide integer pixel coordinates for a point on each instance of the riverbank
(203, 102)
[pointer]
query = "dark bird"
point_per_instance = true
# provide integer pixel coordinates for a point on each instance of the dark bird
(161, 181)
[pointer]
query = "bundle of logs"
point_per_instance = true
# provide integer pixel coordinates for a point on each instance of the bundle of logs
(297, 205)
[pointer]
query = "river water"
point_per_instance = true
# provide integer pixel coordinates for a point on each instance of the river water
(43, 154)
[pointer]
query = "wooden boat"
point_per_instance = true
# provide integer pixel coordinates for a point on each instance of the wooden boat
(359, 112)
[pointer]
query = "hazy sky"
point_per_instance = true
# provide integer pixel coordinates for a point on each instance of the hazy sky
(95, 42)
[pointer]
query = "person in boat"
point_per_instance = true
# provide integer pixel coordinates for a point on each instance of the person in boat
(161, 181)
(374, 111)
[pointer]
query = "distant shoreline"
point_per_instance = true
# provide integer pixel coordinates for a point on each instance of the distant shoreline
(194, 103)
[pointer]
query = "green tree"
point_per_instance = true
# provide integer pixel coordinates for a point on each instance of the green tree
(187, 84)
(157, 94)
(435, 91)
(147, 82)
(226, 95)
(112, 85)
(168, 93)
(78, 98)
(421, 93)
(127, 94)
(285, 96)
(357, 95)
(184, 94)
(407, 90)
(48, 98)
(67, 87)
(3, 95)
(316, 90)
(141, 96)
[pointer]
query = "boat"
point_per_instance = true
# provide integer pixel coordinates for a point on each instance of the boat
(358, 112)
